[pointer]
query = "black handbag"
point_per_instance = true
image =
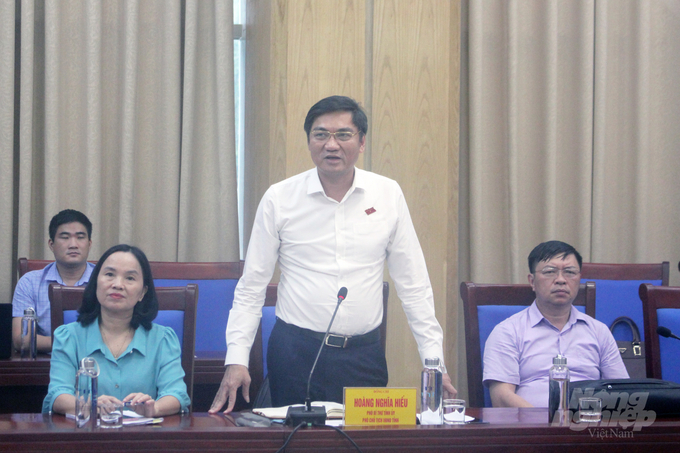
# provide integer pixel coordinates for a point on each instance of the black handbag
(628, 397)
(632, 352)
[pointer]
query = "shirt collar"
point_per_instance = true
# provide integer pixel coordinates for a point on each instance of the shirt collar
(535, 316)
(314, 183)
(139, 342)
(359, 179)
(52, 274)
(86, 275)
(95, 341)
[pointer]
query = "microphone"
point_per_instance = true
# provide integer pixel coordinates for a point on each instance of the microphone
(666, 332)
(313, 415)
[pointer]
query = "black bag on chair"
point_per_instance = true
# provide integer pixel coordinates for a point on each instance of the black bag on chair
(632, 395)
(632, 352)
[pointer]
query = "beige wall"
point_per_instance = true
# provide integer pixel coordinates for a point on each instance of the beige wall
(400, 60)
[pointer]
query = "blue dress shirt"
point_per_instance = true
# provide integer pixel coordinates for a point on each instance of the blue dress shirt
(151, 364)
(32, 291)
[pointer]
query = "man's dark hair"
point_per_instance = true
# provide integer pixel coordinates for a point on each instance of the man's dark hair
(145, 311)
(548, 250)
(68, 216)
(337, 104)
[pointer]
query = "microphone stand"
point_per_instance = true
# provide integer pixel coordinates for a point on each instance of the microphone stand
(308, 414)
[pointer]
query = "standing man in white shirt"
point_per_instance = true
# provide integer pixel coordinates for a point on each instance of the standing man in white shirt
(329, 227)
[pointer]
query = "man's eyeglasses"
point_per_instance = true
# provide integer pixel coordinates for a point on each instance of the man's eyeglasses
(552, 272)
(341, 136)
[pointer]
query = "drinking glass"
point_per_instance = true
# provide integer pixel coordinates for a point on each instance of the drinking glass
(110, 415)
(589, 409)
(454, 411)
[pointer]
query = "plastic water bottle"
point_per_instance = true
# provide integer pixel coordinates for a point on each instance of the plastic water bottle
(558, 400)
(86, 393)
(29, 340)
(431, 394)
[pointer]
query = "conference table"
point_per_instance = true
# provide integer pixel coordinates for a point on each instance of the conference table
(504, 429)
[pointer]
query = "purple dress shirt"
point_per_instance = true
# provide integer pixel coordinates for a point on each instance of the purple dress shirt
(520, 350)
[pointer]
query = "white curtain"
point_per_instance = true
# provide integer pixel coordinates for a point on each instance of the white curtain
(569, 131)
(636, 141)
(126, 112)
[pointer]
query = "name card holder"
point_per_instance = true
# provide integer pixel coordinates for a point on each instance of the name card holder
(380, 406)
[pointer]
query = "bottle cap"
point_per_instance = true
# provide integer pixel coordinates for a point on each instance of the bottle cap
(434, 361)
(89, 366)
(29, 312)
(559, 360)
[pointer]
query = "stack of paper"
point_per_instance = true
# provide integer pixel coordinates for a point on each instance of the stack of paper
(142, 421)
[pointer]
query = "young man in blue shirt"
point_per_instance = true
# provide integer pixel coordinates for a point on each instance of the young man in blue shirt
(70, 240)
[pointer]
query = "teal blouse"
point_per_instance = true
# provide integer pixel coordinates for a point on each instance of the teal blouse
(151, 364)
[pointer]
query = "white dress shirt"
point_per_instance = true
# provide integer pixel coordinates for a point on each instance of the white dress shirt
(322, 245)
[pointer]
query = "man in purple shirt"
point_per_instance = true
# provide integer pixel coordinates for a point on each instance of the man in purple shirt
(519, 352)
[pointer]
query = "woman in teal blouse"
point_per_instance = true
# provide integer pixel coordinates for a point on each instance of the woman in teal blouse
(139, 361)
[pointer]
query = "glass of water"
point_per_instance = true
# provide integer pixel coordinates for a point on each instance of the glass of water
(454, 411)
(589, 409)
(110, 415)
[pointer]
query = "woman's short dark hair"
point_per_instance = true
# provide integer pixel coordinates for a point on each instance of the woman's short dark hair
(145, 311)
(337, 104)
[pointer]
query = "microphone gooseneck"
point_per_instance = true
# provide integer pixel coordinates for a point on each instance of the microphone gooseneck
(316, 415)
(342, 294)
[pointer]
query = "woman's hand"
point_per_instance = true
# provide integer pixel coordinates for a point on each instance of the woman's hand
(142, 404)
(148, 407)
(106, 399)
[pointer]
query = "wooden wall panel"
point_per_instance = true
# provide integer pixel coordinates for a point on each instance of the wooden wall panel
(325, 57)
(411, 119)
(265, 101)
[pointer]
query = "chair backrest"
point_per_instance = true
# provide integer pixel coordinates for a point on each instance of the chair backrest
(176, 309)
(617, 291)
(26, 265)
(487, 305)
(258, 353)
(661, 307)
(217, 282)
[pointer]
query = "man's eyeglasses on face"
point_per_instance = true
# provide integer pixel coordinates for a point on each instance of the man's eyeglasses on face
(341, 136)
(552, 272)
